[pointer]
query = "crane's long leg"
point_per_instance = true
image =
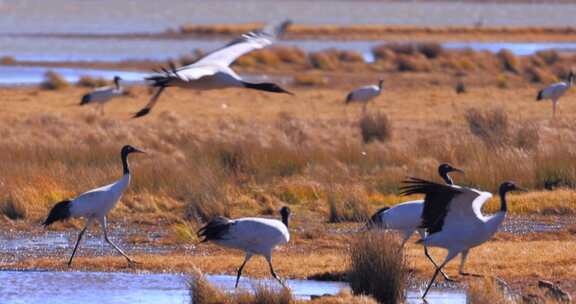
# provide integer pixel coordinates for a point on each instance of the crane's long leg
(450, 256)
(269, 259)
(446, 277)
(150, 104)
(461, 271)
(248, 256)
(78, 241)
(554, 102)
(104, 224)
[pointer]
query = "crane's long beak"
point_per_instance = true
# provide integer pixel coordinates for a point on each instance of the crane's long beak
(521, 189)
(457, 170)
(138, 151)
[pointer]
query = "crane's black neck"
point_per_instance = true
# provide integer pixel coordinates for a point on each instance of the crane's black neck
(380, 84)
(263, 86)
(503, 204)
(117, 83)
(285, 218)
(447, 179)
(125, 166)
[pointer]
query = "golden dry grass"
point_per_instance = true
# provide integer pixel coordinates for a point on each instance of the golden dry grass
(394, 32)
(261, 151)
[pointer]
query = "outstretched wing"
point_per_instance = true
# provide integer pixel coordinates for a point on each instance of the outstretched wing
(247, 42)
(436, 201)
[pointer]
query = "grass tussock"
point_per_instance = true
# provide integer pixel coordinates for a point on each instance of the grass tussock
(347, 204)
(91, 82)
(13, 209)
(489, 291)
(491, 126)
(324, 61)
(413, 63)
(310, 79)
(54, 81)
(509, 61)
(375, 127)
(202, 292)
(7, 60)
(378, 267)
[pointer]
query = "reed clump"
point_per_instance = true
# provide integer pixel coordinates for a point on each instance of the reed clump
(54, 81)
(91, 82)
(378, 267)
(489, 291)
(491, 126)
(375, 127)
(347, 204)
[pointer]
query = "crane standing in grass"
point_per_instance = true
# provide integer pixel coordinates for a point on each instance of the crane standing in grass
(365, 94)
(453, 218)
(407, 217)
(213, 72)
(555, 91)
(103, 95)
(254, 236)
(95, 205)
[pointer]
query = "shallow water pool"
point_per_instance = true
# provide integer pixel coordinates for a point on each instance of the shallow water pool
(50, 287)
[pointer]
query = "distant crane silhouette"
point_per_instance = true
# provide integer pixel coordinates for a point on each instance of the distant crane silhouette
(555, 91)
(365, 94)
(103, 95)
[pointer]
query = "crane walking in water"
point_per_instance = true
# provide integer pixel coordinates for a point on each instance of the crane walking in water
(253, 235)
(95, 205)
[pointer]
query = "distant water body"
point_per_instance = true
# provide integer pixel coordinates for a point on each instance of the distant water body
(113, 16)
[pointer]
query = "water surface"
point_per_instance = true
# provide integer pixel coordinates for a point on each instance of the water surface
(128, 288)
(106, 16)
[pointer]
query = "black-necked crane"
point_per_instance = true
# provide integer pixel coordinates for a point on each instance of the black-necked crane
(103, 95)
(453, 218)
(253, 235)
(555, 91)
(407, 217)
(364, 94)
(213, 72)
(95, 205)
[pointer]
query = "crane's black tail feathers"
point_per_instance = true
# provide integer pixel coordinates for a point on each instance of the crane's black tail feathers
(164, 77)
(59, 212)
(85, 99)
(349, 98)
(215, 229)
(540, 97)
(376, 219)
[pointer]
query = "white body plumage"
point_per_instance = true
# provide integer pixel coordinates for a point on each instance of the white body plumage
(258, 236)
(364, 94)
(254, 236)
(103, 95)
(96, 203)
(404, 217)
(213, 72)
